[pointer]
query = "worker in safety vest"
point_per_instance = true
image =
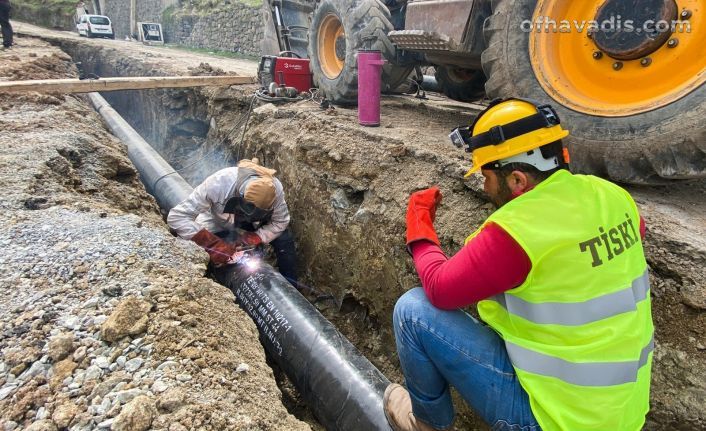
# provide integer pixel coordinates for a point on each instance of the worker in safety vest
(235, 208)
(560, 279)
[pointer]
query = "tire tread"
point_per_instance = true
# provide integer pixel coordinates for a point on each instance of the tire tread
(362, 18)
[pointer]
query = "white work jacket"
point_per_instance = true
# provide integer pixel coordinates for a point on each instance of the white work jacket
(203, 209)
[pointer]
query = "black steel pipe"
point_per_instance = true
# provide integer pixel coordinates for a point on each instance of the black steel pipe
(340, 385)
(158, 176)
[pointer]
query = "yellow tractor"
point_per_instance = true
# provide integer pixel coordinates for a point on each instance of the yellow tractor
(626, 76)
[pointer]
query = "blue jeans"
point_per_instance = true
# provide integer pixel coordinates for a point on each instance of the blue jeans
(439, 348)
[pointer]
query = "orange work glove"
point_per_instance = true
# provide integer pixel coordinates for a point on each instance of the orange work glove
(219, 250)
(421, 212)
(250, 238)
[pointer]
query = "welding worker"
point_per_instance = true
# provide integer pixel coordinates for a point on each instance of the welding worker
(560, 280)
(236, 208)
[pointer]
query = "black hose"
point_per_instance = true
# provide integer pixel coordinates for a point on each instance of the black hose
(262, 94)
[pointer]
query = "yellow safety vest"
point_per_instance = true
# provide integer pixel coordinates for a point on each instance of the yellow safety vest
(579, 329)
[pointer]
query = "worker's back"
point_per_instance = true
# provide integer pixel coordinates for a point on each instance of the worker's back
(579, 329)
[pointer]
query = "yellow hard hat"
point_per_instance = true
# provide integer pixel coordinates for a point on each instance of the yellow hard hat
(510, 128)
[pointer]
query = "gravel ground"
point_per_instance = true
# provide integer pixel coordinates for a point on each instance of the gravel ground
(107, 320)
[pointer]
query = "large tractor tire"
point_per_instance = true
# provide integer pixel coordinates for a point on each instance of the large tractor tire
(338, 30)
(460, 84)
(638, 120)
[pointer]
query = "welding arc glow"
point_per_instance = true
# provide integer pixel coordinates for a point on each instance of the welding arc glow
(251, 263)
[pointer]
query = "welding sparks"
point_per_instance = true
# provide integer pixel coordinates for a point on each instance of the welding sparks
(246, 258)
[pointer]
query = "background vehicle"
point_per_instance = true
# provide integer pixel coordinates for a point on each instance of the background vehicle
(95, 26)
(634, 103)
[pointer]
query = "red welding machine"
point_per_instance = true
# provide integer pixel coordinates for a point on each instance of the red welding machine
(287, 71)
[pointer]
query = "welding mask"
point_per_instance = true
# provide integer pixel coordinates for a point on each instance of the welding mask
(246, 211)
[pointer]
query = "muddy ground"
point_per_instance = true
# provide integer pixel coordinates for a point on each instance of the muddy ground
(107, 320)
(347, 188)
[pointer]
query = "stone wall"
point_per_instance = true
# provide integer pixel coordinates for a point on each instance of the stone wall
(119, 13)
(147, 11)
(235, 29)
(151, 10)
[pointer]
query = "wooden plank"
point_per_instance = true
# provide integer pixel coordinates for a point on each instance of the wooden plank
(127, 83)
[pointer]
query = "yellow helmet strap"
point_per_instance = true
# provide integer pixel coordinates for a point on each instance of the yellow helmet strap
(545, 117)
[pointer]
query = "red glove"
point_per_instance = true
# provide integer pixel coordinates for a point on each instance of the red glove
(219, 250)
(250, 238)
(421, 212)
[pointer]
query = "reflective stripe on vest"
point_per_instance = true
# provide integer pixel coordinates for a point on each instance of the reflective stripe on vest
(579, 334)
(578, 313)
(579, 373)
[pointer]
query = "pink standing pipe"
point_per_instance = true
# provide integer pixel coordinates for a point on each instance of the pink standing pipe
(370, 64)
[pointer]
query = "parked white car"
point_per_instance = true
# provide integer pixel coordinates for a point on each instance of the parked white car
(95, 26)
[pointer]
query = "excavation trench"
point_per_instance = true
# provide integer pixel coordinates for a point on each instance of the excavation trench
(342, 387)
(177, 123)
(347, 189)
(201, 131)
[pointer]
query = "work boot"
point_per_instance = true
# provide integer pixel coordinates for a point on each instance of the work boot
(398, 410)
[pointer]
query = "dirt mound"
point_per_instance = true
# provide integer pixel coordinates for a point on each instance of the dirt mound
(56, 66)
(33, 59)
(107, 319)
(205, 69)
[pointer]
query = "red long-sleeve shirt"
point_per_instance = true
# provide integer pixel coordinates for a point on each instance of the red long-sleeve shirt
(491, 263)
